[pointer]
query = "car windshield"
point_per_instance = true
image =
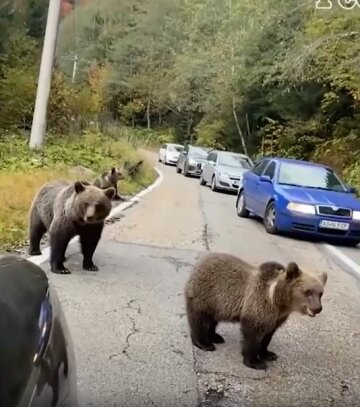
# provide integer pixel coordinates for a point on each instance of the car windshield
(198, 152)
(234, 160)
(309, 176)
(175, 148)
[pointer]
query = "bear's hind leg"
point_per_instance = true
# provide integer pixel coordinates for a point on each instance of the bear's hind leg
(37, 230)
(264, 353)
(89, 239)
(200, 324)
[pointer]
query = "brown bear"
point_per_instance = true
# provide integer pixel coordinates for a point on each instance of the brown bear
(66, 210)
(224, 288)
(110, 179)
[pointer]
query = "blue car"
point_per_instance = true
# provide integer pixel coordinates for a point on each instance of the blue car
(300, 197)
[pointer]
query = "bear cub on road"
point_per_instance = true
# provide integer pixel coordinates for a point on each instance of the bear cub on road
(224, 288)
(110, 179)
(65, 210)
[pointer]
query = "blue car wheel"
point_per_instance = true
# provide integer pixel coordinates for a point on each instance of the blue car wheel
(270, 218)
(241, 210)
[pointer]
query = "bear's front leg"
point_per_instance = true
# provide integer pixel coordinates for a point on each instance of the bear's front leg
(264, 353)
(89, 239)
(251, 348)
(58, 246)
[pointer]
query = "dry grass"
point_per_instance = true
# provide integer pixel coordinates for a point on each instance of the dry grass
(16, 193)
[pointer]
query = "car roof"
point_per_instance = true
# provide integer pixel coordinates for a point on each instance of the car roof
(203, 148)
(229, 152)
(294, 161)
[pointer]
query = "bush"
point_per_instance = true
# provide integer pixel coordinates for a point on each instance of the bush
(23, 171)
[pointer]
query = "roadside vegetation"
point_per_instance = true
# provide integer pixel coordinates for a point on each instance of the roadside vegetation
(265, 78)
(22, 172)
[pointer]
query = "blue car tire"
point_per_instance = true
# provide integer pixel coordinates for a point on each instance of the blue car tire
(241, 210)
(270, 218)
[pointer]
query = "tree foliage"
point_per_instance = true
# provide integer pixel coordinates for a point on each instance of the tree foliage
(272, 77)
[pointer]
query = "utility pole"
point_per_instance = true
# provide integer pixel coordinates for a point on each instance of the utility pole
(38, 128)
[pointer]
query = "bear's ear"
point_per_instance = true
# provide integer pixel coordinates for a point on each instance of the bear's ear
(110, 193)
(292, 271)
(79, 187)
(113, 169)
(323, 277)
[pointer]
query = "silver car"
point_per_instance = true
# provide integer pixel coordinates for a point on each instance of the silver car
(224, 170)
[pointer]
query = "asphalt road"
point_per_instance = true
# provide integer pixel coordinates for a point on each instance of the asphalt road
(130, 330)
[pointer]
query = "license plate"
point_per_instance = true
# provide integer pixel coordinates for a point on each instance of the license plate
(329, 224)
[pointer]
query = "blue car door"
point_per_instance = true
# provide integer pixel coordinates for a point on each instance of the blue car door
(251, 185)
(266, 189)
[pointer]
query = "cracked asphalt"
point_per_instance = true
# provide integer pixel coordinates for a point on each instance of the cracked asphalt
(129, 326)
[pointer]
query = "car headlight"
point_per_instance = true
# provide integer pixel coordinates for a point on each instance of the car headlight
(192, 162)
(302, 208)
(356, 215)
(223, 174)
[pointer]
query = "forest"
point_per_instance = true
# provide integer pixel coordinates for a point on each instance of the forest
(276, 77)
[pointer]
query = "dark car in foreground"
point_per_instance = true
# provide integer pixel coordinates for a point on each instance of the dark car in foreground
(37, 359)
(302, 197)
(191, 160)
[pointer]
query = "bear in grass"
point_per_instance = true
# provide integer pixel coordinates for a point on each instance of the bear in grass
(65, 210)
(224, 288)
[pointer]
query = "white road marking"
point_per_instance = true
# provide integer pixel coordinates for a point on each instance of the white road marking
(113, 214)
(345, 259)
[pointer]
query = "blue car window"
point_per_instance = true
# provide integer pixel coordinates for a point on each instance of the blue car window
(309, 176)
(259, 168)
(270, 170)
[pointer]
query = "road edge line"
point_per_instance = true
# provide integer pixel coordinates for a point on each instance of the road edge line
(344, 258)
(115, 212)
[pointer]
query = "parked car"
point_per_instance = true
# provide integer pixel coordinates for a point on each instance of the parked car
(169, 153)
(37, 359)
(224, 170)
(191, 160)
(302, 197)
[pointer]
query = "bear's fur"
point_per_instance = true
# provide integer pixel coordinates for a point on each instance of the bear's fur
(65, 210)
(110, 179)
(225, 288)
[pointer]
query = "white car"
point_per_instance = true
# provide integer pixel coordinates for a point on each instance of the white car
(169, 153)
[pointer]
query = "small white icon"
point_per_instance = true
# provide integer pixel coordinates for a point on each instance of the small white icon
(348, 4)
(324, 4)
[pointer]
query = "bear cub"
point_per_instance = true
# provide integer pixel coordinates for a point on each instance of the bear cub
(224, 288)
(65, 210)
(110, 179)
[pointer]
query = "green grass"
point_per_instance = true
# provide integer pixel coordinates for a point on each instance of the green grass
(22, 172)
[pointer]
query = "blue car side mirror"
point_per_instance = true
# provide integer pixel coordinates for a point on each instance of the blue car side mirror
(352, 190)
(265, 178)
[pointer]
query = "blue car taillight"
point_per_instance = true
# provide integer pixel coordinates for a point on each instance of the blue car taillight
(45, 325)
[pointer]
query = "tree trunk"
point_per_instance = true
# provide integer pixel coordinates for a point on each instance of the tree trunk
(148, 114)
(160, 118)
(248, 127)
(189, 133)
(238, 127)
